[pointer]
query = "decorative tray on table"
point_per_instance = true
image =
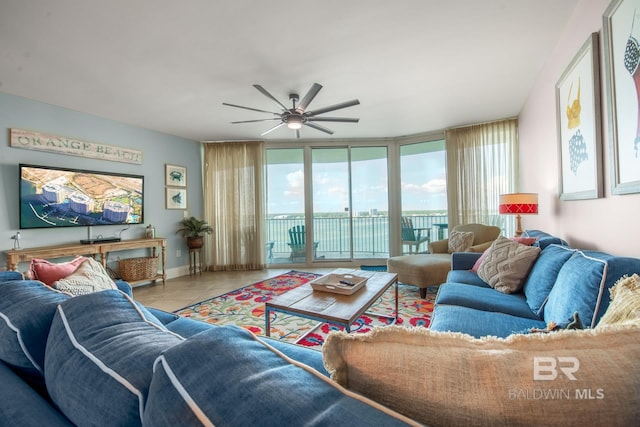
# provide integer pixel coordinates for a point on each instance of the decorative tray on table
(345, 284)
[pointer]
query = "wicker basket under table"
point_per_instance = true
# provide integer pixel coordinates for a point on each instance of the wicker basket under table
(132, 269)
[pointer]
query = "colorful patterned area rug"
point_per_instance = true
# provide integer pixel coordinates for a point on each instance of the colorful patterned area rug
(245, 307)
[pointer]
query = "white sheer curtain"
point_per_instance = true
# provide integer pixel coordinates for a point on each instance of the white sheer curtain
(482, 163)
(234, 204)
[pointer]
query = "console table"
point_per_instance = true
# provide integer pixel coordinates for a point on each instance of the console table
(101, 250)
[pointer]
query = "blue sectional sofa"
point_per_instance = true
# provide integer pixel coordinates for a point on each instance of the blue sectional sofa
(561, 282)
(103, 359)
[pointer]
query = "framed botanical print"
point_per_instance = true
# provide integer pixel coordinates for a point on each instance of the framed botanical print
(579, 125)
(175, 176)
(621, 29)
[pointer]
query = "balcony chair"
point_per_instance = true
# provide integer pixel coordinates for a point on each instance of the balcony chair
(426, 270)
(413, 237)
(298, 242)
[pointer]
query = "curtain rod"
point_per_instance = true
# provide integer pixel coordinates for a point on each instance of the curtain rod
(483, 123)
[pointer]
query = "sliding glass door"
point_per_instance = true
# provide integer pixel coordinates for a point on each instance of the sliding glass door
(350, 203)
(327, 203)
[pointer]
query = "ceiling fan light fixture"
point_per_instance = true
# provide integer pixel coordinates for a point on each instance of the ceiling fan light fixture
(294, 122)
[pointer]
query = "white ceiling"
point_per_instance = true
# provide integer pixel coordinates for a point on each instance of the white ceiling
(166, 65)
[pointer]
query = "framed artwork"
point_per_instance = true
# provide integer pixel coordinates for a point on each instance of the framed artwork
(175, 198)
(580, 125)
(175, 176)
(621, 29)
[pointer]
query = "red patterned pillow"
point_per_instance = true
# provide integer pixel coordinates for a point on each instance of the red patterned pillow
(48, 272)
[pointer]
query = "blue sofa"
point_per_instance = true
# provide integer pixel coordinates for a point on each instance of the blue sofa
(104, 359)
(561, 282)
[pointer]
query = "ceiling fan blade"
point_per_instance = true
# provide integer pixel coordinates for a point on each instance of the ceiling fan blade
(272, 129)
(258, 120)
(333, 119)
(318, 127)
(249, 108)
(271, 97)
(332, 108)
(309, 97)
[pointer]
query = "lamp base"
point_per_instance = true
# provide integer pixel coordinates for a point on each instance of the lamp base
(518, 226)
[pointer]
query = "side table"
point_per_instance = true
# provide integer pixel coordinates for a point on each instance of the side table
(195, 261)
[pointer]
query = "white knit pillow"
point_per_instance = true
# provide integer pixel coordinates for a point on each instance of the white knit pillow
(460, 241)
(90, 276)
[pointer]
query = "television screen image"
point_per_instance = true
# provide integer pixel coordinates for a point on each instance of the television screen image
(58, 197)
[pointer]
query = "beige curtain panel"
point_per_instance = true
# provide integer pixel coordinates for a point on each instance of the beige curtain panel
(234, 204)
(482, 163)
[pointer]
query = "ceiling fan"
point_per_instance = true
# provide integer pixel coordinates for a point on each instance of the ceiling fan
(297, 116)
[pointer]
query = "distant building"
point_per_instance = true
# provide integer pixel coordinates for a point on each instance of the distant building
(53, 193)
(81, 203)
(115, 212)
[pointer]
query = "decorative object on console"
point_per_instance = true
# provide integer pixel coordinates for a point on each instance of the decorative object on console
(579, 127)
(519, 204)
(16, 241)
(194, 229)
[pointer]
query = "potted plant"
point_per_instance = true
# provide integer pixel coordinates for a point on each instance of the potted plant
(193, 229)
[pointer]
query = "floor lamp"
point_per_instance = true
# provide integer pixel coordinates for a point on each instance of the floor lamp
(519, 204)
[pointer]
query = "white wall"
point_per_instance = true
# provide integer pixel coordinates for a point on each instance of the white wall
(157, 149)
(611, 223)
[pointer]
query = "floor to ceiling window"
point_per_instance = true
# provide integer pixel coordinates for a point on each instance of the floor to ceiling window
(339, 198)
(350, 203)
(423, 187)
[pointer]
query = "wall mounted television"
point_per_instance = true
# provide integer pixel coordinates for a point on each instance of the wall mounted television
(52, 197)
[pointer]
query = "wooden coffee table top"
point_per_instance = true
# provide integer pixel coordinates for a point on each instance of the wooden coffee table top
(337, 308)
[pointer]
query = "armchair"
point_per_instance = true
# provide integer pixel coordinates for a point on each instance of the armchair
(426, 270)
(483, 237)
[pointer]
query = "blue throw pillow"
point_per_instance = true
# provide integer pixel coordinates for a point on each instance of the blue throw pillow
(99, 358)
(543, 275)
(583, 285)
(27, 308)
(227, 376)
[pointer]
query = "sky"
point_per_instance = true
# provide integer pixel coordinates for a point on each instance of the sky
(423, 181)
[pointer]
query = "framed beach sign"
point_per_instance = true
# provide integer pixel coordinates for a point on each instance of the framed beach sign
(175, 176)
(580, 125)
(175, 198)
(621, 30)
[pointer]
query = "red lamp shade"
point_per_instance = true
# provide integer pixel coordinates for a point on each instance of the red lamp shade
(519, 204)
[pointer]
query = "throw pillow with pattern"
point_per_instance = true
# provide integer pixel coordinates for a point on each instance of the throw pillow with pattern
(507, 265)
(89, 277)
(460, 241)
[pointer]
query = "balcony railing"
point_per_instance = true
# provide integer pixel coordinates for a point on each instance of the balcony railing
(370, 235)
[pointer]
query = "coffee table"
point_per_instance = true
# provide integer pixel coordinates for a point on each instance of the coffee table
(344, 310)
